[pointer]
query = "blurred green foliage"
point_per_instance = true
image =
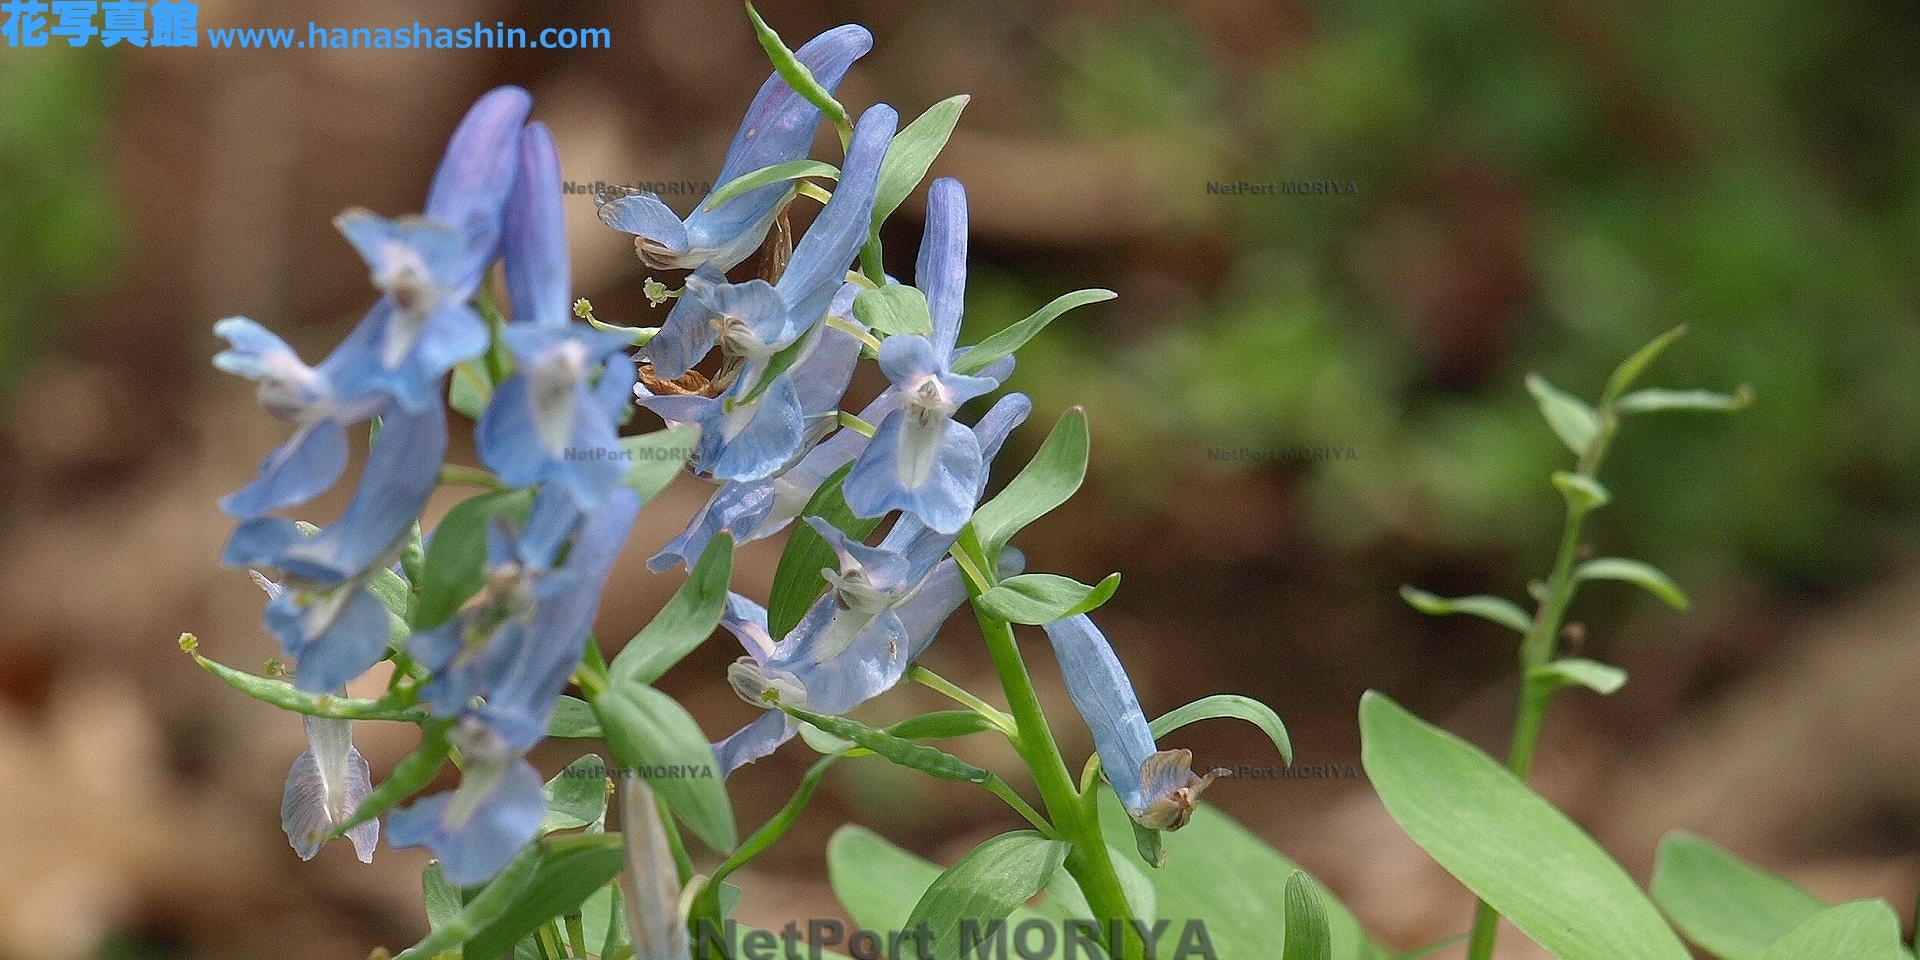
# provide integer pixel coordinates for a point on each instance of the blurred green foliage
(1541, 187)
(57, 218)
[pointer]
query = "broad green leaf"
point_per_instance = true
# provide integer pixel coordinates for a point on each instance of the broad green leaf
(1307, 936)
(1599, 677)
(911, 154)
(573, 718)
(652, 733)
(1861, 930)
(657, 458)
(1508, 845)
(483, 910)
(1220, 873)
(1065, 899)
(797, 582)
(1485, 606)
(1576, 423)
(894, 309)
(794, 72)
(570, 869)
(1630, 370)
(941, 725)
(929, 760)
(576, 796)
(879, 883)
(1232, 705)
(1654, 400)
(443, 901)
(455, 565)
(470, 390)
(1046, 482)
(1002, 344)
(683, 624)
(985, 885)
(1634, 571)
(1041, 598)
(1729, 907)
(1583, 492)
(778, 173)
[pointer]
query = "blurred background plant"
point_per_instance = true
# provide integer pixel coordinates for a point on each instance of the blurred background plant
(1535, 187)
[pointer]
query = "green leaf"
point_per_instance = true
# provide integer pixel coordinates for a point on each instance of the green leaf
(911, 154)
(570, 869)
(986, 885)
(651, 732)
(778, 173)
(409, 776)
(1508, 845)
(443, 900)
(1046, 482)
(1065, 899)
(471, 390)
(1630, 370)
(776, 365)
(1307, 936)
(1147, 843)
(1599, 677)
(1653, 400)
(794, 72)
(657, 458)
(1861, 930)
(1040, 598)
(1002, 344)
(894, 309)
(1485, 606)
(1634, 571)
(488, 906)
(797, 582)
(904, 752)
(1729, 907)
(1582, 492)
(879, 883)
(941, 725)
(455, 566)
(1576, 423)
(1228, 705)
(573, 718)
(576, 796)
(684, 623)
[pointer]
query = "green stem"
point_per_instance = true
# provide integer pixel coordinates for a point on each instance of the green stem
(956, 693)
(577, 933)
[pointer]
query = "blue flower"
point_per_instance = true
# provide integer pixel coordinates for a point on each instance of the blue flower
(920, 460)
(779, 127)
(1158, 787)
(477, 828)
(549, 421)
(756, 319)
(324, 787)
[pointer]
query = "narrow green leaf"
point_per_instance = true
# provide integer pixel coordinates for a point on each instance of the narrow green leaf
(569, 870)
(911, 155)
(1002, 344)
(1634, 571)
(797, 582)
(778, 173)
(894, 309)
(684, 623)
(1485, 606)
(1307, 936)
(1508, 845)
(1147, 843)
(657, 458)
(708, 900)
(1599, 677)
(576, 796)
(409, 776)
(1040, 598)
(470, 390)
(1046, 482)
(904, 752)
(1861, 930)
(573, 718)
(651, 732)
(455, 566)
(1729, 907)
(1654, 400)
(489, 905)
(777, 364)
(1228, 705)
(1630, 370)
(941, 725)
(986, 885)
(794, 72)
(1576, 423)
(1582, 492)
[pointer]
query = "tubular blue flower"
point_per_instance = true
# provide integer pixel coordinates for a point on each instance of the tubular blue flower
(756, 319)
(920, 460)
(1158, 787)
(779, 127)
(476, 828)
(328, 618)
(326, 784)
